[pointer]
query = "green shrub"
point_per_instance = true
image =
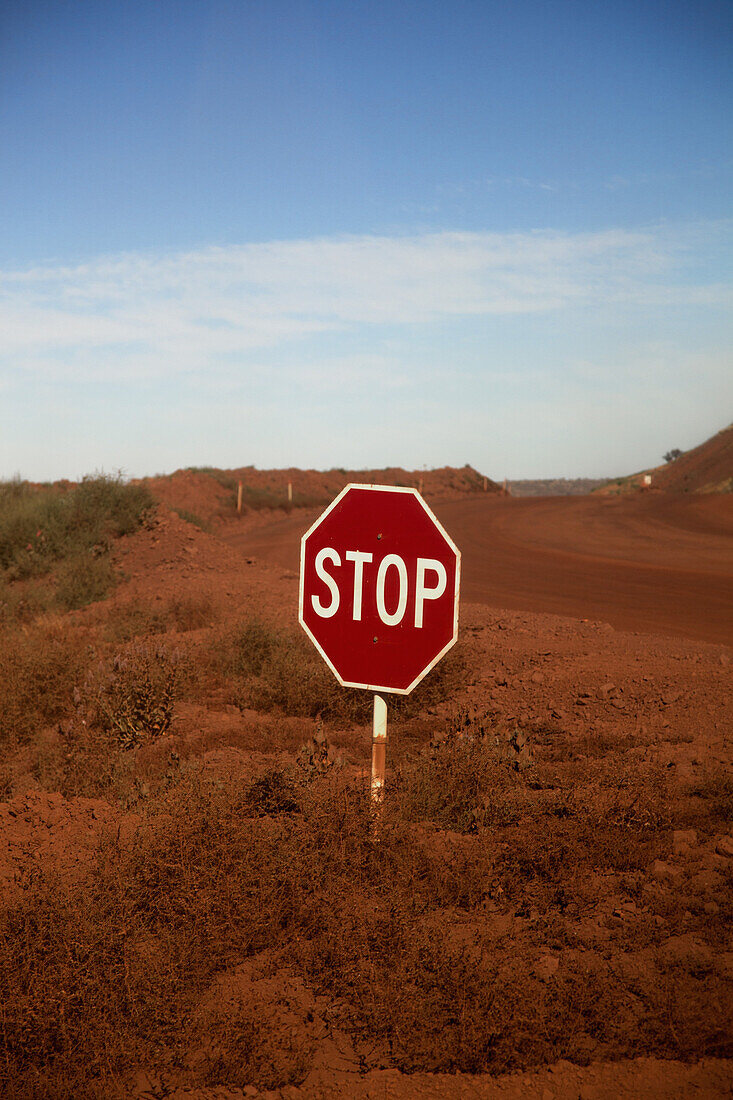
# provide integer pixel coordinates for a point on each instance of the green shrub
(82, 579)
(68, 528)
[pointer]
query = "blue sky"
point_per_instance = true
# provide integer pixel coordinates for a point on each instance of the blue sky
(363, 234)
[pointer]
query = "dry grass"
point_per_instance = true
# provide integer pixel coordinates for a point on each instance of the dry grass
(497, 847)
(100, 978)
(38, 670)
(142, 619)
(271, 670)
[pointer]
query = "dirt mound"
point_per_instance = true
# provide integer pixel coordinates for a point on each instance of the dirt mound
(207, 495)
(198, 496)
(42, 832)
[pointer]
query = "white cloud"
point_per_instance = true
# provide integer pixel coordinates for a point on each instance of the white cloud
(135, 315)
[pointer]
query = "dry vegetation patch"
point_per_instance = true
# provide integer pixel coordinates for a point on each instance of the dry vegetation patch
(55, 540)
(524, 938)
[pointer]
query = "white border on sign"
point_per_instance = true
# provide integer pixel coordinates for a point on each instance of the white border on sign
(448, 539)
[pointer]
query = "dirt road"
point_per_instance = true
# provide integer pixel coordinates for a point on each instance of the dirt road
(652, 563)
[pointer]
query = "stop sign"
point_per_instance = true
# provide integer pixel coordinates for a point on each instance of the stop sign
(379, 581)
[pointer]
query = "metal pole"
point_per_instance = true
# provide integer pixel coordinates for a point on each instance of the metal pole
(379, 752)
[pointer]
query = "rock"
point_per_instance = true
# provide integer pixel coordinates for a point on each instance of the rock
(665, 872)
(712, 861)
(711, 908)
(706, 881)
(724, 964)
(683, 841)
(687, 951)
(538, 678)
(724, 847)
(547, 967)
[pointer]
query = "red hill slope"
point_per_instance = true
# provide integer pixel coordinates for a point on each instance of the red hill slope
(705, 469)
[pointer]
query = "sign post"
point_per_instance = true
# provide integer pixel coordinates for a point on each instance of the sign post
(379, 750)
(379, 585)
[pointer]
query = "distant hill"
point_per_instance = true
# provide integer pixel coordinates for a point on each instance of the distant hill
(555, 487)
(207, 495)
(707, 468)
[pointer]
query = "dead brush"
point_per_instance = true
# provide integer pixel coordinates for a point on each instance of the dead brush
(132, 699)
(712, 797)
(38, 668)
(264, 668)
(471, 778)
(139, 618)
(104, 977)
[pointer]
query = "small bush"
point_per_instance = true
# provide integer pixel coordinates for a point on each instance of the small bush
(47, 527)
(268, 669)
(83, 579)
(133, 699)
(470, 779)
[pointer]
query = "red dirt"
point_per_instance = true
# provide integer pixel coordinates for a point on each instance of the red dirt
(211, 494)
(608, 618)
(647, 562)
(704, 469)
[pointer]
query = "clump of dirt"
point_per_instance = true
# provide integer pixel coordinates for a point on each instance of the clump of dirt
(42, 833)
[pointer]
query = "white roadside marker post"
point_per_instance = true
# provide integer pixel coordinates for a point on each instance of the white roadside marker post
(379, 754)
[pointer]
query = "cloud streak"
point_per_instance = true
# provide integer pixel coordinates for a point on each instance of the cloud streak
(137, 314)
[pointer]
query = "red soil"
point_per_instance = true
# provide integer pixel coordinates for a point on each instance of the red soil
(611, 618)
(645, 562)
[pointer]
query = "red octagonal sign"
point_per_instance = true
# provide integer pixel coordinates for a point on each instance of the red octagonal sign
(379, 581)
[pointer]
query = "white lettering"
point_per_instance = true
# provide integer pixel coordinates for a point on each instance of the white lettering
(327, 554)
(358, 557)
(395, 618)
(422, 592)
